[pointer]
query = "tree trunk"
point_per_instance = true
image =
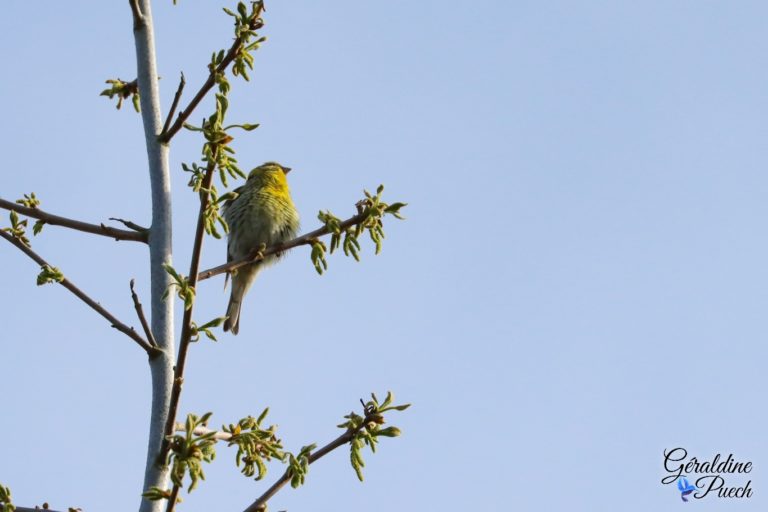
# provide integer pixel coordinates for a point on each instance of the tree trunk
(160, 250)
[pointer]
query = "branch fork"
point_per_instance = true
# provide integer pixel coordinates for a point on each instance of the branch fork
(66, 283)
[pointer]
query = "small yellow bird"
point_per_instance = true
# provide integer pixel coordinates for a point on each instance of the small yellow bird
(262, 213)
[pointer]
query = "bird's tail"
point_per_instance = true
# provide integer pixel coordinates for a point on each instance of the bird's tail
(239, 287)
(233, 314)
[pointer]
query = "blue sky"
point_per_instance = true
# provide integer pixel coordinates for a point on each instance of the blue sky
(580, 284)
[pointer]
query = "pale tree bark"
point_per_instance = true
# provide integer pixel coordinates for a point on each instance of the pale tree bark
(160, 250)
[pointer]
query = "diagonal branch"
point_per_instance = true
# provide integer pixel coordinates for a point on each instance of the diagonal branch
(176, 98)
(55, 220)
(173, 498)
(142, 318)
(167, 134)
(66, 283)
(260, 505)
(186, 326)
(257, 255)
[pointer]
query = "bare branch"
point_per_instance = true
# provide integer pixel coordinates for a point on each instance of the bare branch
(167, 135)
(255, 255)
(175, 104)
(130, 225)
(142, 318)
(186, 326)
(260, 505)
(27, 509)
(55, 220)
(66, 283)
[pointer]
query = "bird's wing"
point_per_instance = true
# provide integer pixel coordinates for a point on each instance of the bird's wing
(227, 204)
(226, 276)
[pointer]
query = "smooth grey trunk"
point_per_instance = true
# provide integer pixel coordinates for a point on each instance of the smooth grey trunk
(160, 252)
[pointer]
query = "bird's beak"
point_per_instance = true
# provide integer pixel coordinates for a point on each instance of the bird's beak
(286, 170)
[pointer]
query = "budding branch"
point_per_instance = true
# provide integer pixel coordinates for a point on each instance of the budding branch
(257, 255)
(260, 505)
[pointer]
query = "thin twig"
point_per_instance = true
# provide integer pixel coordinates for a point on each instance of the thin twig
(130, 225)
(175, 104)
(56, 220)
(27, 509)
(255, 255)
(186, 326)
(173, 498)
(201, 431)
(261, 502)
(167, 135)
(142, 318)
(66, 283)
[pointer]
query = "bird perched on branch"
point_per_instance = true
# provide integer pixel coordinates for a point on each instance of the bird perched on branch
(262, 213)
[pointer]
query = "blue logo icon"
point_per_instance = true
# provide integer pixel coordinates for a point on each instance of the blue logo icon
(685, 487)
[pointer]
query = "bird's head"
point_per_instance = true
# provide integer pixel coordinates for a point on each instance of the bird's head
(270, 170)
(271, 176)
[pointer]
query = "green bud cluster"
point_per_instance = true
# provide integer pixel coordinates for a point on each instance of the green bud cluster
(255, 445)
(5, 499)
(123, 90)
(184, 290)
(367, 429)
(371, 211)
